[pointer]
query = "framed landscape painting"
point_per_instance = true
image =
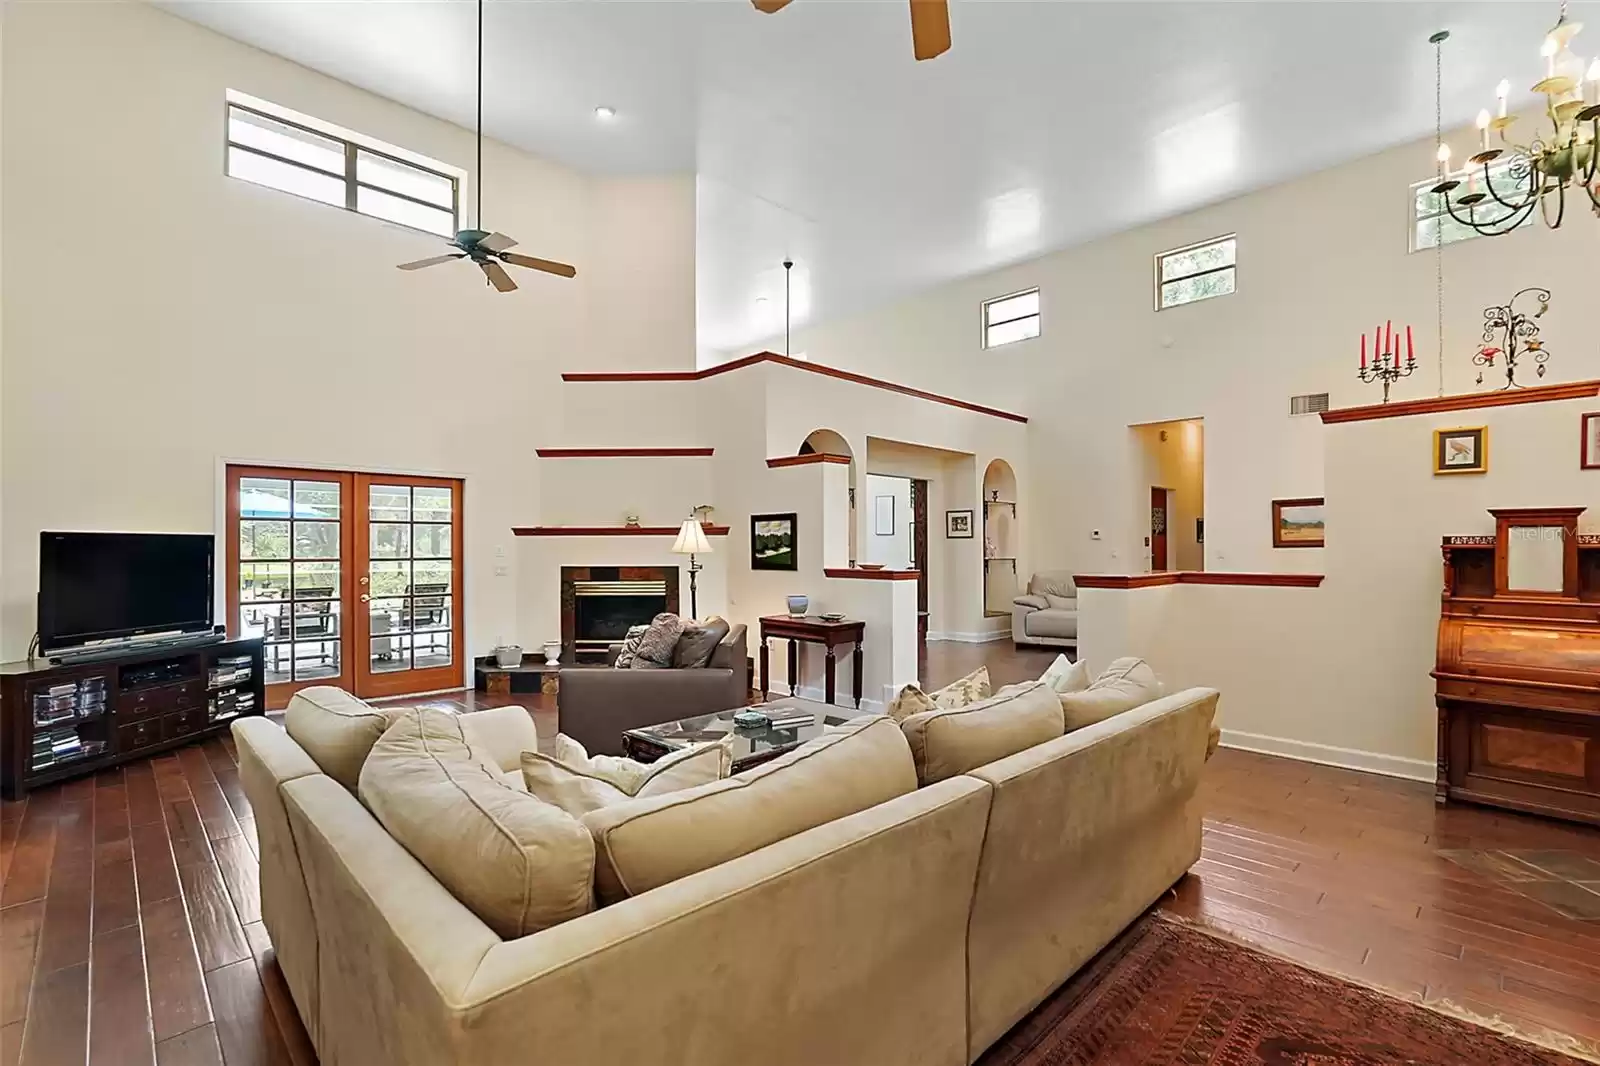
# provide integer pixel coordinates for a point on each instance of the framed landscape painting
(772, 545)
(1461, 451)
(1589, 459)
(1298, 523)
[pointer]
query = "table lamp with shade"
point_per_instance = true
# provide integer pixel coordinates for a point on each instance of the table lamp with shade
(691, 542)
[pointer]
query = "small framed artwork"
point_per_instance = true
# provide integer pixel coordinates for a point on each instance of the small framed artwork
(1298, 523)
(1589, 458)
(883, 516)
(958, 525)
(1461, 451)
(772, 542)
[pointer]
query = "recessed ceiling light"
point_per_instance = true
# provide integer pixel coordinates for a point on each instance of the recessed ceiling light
(605, 114)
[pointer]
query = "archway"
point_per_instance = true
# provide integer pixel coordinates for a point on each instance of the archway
(1000, 535)
(824, 441)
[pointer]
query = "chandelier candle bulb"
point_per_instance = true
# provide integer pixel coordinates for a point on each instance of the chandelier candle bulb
(1503, 90)
(1483, 128)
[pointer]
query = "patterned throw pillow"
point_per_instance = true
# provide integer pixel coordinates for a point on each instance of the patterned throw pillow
(1065, 676)
(630, 646)
(658, 643)
(912, 700)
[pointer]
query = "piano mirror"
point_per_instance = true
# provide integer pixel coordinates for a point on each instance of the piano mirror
(1535, 559)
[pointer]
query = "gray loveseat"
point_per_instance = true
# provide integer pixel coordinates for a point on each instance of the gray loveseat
(1048, 614)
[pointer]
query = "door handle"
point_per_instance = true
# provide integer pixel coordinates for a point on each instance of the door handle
(365, 598)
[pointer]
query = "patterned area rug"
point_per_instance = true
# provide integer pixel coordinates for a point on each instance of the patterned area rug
(1166, 994)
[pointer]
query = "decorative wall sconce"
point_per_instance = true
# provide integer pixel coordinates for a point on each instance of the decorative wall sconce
(1510, 335)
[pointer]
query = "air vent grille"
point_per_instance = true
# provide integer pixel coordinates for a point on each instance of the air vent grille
(1310, 404)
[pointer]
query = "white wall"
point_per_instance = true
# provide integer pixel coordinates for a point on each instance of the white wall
(161, 317)
(1321, 259)
(892, 547)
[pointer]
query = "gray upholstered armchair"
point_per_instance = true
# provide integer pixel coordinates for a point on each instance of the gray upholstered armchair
(1048, 614)
(594, 706)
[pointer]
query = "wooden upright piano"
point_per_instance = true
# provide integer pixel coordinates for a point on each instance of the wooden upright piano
(1518, 671)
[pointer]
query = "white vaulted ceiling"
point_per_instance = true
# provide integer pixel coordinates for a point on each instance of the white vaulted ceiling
(814, 133)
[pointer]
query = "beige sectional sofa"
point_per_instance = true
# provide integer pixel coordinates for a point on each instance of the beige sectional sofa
(914, 931)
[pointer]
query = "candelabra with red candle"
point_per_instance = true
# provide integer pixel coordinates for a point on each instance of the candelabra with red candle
(1386, 365)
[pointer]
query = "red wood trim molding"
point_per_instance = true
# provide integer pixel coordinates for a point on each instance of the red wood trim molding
(1575, 390)
(609, 531)
(873, 575)
(1195, 577)
(807, 460)
(619, 453)
(810, 368)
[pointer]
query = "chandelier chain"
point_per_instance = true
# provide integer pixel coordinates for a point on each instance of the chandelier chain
(1438, 244)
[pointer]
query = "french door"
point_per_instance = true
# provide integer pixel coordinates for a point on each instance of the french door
(351, 579)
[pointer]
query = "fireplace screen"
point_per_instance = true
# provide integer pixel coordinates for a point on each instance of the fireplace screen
(604, 610)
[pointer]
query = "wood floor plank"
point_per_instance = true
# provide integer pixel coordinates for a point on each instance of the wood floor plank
(19, 945)
(116, 900)
(177, 988)
(57, 1030)
(10, 1044)
(213, 806)
(197, 1047)
(28, 876)
(240, 873)
(187, 833)
(281, 1001)
(245, 1027)
(218, 936)
(64, 940)
(119, 1006)
(144, 799)
(153, 866)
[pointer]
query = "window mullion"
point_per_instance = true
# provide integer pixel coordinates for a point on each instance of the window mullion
(349, 176)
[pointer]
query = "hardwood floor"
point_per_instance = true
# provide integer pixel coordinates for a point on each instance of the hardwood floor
(130, 923)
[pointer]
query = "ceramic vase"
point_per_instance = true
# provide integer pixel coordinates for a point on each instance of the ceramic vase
(798, 605)
(552, 652)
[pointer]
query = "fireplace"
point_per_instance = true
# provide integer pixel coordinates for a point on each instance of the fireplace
(600, 603)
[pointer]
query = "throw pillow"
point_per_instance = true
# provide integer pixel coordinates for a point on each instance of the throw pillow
(579, 790)
(912, 700)
(950, 741)
(630, 646)
(1064, 675)
(1125, 684)
(336, 729)
(625, 773)
(656, 646)
(698, 643)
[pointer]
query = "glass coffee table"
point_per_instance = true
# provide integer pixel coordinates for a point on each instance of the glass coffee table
(752, 746)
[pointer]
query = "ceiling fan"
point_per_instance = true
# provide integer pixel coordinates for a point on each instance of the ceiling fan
(930, 24)
(488, 250)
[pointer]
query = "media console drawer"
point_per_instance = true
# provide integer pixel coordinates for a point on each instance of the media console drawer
(184, 723)
(140, 734)
(160, 699)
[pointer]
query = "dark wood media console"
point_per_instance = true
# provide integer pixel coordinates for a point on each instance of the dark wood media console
(62, 721)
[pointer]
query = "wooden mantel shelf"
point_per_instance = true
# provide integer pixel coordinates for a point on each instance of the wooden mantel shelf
(871, 575)
(1195, 577)
(619, 453)
(1575, 390)
(609, 531)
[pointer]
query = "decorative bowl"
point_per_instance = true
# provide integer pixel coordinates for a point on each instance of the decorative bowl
(869, 566)
(833, 616)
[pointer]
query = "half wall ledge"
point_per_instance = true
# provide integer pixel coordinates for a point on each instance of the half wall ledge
(872, 575)
(1574, 390)
(1196, 577)
(609, 531)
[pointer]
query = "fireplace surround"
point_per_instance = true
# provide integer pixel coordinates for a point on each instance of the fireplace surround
(599, 603)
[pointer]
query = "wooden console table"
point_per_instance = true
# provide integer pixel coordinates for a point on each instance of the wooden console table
(809, 629)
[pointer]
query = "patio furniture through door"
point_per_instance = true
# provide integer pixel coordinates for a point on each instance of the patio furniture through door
(352, 579)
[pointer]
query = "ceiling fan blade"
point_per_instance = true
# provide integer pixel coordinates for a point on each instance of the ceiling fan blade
(432, 261)
(496, 242)
(930, 28)
(497, 276)
(540, 264)
(767, 7)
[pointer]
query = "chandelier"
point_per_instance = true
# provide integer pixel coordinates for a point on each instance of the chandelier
(1501, 186)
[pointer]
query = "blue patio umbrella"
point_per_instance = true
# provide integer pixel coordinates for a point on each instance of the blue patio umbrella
(254, 503)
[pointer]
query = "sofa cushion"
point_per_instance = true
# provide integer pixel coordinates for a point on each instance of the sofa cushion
(1061, 603)
(644, 843)
(1052, 623)
(335, 729)
(697, 642)
(1065, 676)
(1125, 684)
(658, 643)
(951, 741)
(912, 700)
(1049, 583)
(518, 863)
(578, 789)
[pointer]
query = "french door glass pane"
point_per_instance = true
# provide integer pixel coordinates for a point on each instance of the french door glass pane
(290, 574)
(316, 540)
(412, 577)
(263, 539)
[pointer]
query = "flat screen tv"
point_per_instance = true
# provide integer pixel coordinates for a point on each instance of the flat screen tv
(102, 586)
